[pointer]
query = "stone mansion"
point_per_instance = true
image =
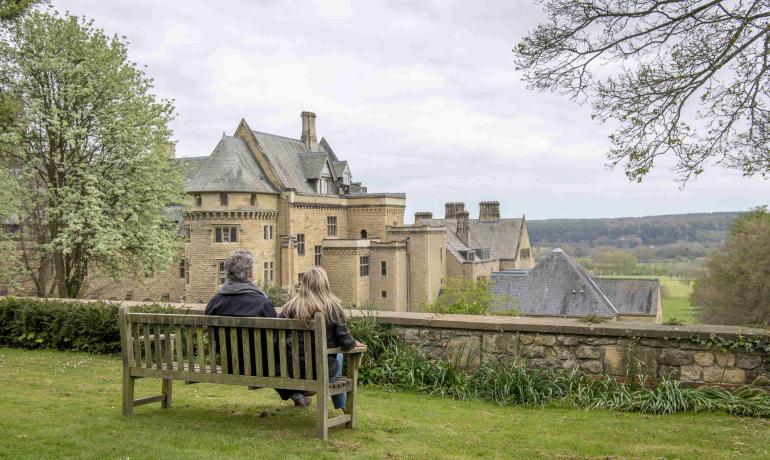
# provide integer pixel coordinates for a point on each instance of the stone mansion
(293, 203)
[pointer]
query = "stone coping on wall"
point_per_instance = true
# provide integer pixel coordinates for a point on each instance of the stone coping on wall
(526, 324)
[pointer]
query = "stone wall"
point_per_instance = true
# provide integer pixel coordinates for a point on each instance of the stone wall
(622, 350)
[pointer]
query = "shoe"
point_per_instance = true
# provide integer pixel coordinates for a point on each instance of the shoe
(302, 401)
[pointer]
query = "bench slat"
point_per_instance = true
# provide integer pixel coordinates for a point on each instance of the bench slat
(257, 333)
(167, 351)
(295, 351)
(230, 379)
(270, 353)
(201, 349)
(178, 346)
(282, 352)
(147, 349)
(136, 344)
(223, 347)
(156, 339)
(308, 356)
(246, 351)
(234, 351)
(212, 351)
(219, 321)
(190, 348)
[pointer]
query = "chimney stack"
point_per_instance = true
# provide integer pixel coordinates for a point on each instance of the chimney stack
(463, 227)
(452, 209)
(308, 130)
(489, 211)
(420, 216)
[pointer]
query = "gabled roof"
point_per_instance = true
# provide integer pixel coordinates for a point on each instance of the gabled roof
(557, 286)
(454, 243)
(284, 155)
(631, 296)
(339, 167)
(501, 237)
(313, 164)
(231, 167)
(328, 149)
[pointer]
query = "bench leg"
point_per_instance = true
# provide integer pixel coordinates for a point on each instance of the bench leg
(322, 416)
(352, 373)
(166, 403)
(128, 394)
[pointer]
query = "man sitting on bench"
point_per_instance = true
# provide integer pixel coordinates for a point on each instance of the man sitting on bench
(239, 296)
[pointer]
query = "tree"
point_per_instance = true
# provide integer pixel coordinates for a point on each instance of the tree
(468, 297)
(13, 9)
(687, 78)
(88, 150)
(612, 261)
(735, 288)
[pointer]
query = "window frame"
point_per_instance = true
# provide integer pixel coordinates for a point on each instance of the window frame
(301, 244)
(363, 266)
(226, 234)
(224, 199)
(268, 232)
(331, 226)
(383, 268)
(221, 272)
(317, 255)
(268, 271)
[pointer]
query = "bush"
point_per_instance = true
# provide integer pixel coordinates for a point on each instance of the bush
(468, 297)
(90, 327)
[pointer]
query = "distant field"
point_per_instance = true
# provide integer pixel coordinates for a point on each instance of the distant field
(676, 298)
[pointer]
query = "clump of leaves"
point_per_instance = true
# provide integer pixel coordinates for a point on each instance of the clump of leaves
(593, 318)
(673, 322)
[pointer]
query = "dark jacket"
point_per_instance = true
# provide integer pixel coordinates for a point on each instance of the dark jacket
(241, 299)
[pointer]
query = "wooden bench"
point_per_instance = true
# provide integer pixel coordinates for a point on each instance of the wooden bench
(251, 352)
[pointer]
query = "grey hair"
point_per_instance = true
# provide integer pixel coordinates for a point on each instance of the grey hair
(238, 266)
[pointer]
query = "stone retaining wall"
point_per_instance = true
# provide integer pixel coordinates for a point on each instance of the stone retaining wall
(691, 354)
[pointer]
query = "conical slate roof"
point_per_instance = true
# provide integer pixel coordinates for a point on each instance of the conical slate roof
(231, 167)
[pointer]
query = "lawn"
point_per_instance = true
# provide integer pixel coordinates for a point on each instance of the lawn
(65, 405)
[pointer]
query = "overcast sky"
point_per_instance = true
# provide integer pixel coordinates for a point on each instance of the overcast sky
(420, 96)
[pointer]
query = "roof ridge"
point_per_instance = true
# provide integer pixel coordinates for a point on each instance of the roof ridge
(276, 135)
(586, 277)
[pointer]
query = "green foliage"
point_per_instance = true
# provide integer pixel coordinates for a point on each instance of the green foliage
(735, 287)
(88, 150)
(91, 327)
(277, 295)
(13, 9)
(673, 321)
(593, 318)
(612, 261)
(468, 297)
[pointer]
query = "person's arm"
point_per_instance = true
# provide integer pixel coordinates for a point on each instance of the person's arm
(342, 336)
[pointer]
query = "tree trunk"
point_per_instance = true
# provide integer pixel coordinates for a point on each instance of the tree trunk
(61, 274)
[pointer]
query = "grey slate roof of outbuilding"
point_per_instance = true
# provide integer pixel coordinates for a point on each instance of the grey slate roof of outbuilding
(231, 167)
(631, 296)
(557, 286)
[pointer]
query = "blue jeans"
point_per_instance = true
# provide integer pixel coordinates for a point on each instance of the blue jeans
(340, 399)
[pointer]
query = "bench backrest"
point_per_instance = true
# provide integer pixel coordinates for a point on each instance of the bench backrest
(279, 353)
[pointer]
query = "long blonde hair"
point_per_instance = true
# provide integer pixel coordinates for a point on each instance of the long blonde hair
(314, 295)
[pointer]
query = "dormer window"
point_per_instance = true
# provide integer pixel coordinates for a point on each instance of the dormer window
(324, 180)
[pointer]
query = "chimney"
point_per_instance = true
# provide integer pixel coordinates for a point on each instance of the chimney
(489, 211)
(419, 216)
(452, 209)
(463, 228)
(308, 130)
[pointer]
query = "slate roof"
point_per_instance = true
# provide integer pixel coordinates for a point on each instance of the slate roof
(454, 243)
(313, 164)
(189, 166)
(631, 296)
(501, 237)
(557, 286)
(284, 155)
(231, 167)
(339, 167)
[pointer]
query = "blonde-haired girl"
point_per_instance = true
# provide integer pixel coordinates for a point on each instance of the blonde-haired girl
(315, 296)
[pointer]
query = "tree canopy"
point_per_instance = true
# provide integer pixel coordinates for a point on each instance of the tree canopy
(88, 151)
(736, 286)
(681, 78)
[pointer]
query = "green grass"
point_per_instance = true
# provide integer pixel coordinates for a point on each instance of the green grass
(676, 301)
(67, 405)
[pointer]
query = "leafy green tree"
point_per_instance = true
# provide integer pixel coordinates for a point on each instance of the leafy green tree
(688, 78)
(467, 297)
(13, 9)
(735, 288)
(611, 261)
(88, 150)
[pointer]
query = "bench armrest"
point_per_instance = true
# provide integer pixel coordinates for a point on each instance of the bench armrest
(334, 351)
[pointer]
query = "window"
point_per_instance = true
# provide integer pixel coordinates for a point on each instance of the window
(267, 232)
(267, 274)
(364, 234)
(182, 268)
(383, 268)
(331, 226)
(323, 186)
(383, 294)
(223, 199)
(187, 232)
(301, 244)
(165, 297)
(225, 234)
(317, 254)
(363, 266)
(198, 200)
(253, 199)
(221, 273)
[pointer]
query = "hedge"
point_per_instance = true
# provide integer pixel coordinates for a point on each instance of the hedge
(90, 327)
